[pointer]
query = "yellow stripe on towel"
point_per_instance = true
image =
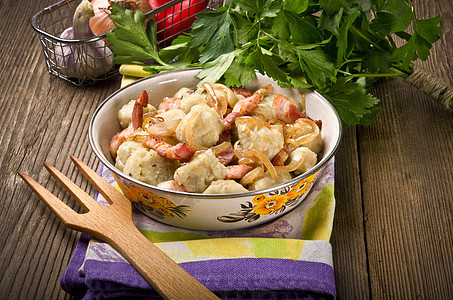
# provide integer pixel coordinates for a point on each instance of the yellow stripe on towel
(134, 70)
(199, 250)
(127, 80)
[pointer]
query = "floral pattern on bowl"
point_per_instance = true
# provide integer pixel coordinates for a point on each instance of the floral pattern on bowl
(148, 203)
(274, 203)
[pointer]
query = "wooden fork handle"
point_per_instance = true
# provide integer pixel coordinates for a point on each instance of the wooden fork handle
(169, 279)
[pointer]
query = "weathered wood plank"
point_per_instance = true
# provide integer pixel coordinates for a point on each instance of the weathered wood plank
(348, 236)
(407, 182)
(39, 111)
(406, 174)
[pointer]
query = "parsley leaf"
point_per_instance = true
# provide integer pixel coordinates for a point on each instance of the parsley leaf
(239, 73)
(212, 31)
(317, 65)
(295, 6)
(352, 102)
(419, 44)
(129, 41)
(302, 31)
(214, 70)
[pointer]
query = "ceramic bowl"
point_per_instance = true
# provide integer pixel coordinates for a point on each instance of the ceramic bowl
(201, 211)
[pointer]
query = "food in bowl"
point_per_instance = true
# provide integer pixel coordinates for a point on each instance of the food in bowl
(216, 139)
(203, 211)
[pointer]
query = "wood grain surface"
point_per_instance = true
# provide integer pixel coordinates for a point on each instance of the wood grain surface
(392, 236)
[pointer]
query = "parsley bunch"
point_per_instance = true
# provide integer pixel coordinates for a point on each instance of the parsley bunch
(338, 48)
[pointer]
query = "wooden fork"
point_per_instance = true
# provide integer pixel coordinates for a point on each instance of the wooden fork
(113, 224)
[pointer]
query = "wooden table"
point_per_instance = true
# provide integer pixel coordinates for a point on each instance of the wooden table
(393, 228)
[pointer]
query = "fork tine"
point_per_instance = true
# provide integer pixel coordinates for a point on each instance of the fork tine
(85, 200)
(68, 216)
(106, 189)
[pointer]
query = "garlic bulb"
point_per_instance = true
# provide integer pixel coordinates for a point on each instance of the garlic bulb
(101, 21)
(87, 60)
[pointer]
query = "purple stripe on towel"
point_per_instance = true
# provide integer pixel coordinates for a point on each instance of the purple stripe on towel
(72, 281)
(243, 276)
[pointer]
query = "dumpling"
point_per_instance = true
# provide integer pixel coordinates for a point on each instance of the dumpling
(183, 92)
(198, 174)
(203, 124)
(172, 114)
(301, 128)
(266, 181)
(190, 100)
(225, 187)
(264, 110)
(309, 159)
(125, 113)
(261, 137)
(315, 145)
(125, 151)
(149, 167)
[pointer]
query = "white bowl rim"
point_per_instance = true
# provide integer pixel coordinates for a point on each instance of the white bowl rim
(295, 179)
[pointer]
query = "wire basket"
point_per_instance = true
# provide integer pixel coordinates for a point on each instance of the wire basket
(54, 19)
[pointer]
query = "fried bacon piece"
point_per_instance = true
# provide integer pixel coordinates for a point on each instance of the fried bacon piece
(171, 185)
(280, 158)
(285, 110)
(226, 156)
(137, 112)
(241, 91)
(169, 104)
(237, 171)
(241, 108)
(181, 151)
(118, 139)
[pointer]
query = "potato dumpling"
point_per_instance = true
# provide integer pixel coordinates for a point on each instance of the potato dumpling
(304, 128)
(125, 151)
(198, 174)
(315, 145)
(203, 124)
(183, 92)
(309, 159)
(264, 110)
(266, 181)
(125, 113)
(266, 139)
(172, 114)
(190, 100)
(149, 167)
(225, 187)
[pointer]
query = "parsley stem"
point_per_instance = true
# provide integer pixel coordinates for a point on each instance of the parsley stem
(347, 61)
(392, 42)
(363, 36)
(396, 73)
(372, 75)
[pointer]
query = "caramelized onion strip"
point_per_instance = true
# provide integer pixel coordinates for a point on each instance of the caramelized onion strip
(220, 104)
(165, 128)
(251, 176)
(137, 136)
(263, 159)
(230, 97)
(187, 133)
(292, 166)
(220, 147)
(304, 139)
